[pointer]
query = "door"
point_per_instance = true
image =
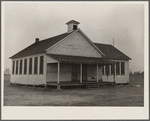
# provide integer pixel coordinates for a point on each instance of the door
(84, 72)
(75, 72)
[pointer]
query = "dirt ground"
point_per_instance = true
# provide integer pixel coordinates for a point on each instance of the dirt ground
(120, 95)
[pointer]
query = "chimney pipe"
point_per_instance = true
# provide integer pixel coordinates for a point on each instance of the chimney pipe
(37, 40)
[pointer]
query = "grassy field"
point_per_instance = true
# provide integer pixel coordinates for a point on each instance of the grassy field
(120, 95)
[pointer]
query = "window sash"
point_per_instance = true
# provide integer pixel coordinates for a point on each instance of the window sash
(117, 68)
(13, 68)
(122, 68)
(30, 66)
(35, 65)
(17, 67)
(41, 64)
(20, 67)
(25, 66)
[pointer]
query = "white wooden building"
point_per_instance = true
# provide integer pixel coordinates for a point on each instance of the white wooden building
(69, 57)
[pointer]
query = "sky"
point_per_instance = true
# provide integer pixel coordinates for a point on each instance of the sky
(101, 21)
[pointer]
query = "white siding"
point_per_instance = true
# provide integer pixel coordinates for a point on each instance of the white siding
(30, 79)
(52, 73)
(119, 78)
(75, 45)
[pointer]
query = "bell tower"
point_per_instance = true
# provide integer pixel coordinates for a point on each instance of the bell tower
(72, 25)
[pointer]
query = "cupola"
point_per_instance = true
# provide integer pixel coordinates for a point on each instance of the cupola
(72, 25)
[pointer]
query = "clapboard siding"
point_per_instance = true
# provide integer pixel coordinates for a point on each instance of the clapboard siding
(74, 45)
(119, 78)
(52, 72)
(33, 79)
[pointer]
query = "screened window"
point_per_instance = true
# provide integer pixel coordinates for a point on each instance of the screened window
(17, 67)
(13, 68)
(25, 66)
(112, 69)
(30, 66)
(41, 64)
(122, 68)
(117, 68)
(20, 67)
(35, 65)
(107, 70)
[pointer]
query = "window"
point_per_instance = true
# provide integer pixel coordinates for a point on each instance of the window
(117, 68)
(112, 69)
(13, 68)
(74, 27)
(25, 66)
(30, 66)
(122, 68)
(41, 64)
(35, 65)
(20, 67)
(17, 67)
(107, 70)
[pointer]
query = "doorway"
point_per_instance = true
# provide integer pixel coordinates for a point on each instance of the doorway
(76, 72)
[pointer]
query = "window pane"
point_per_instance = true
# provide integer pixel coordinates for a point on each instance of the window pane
(25, 66)
(17, 67)
(20, 67)
(122, 68)
(41, 64)
(13, 69)
(117, 68)
(30, 66)
(35, 65)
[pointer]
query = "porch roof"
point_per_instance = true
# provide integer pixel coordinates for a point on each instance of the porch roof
(79, 59)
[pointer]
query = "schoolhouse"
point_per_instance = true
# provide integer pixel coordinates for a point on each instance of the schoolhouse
(71, 58)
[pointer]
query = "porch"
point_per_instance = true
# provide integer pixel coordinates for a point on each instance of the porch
(77, 71)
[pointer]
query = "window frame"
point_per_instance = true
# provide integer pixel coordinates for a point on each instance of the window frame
(20, 68)
(25, 66)
(122, 68)
(117, 68)
(13, 68)
(17, 67)
(30, 66)
(41, 69)
(35, 65)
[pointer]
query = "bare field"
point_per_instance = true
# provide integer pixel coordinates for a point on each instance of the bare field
(120, 95)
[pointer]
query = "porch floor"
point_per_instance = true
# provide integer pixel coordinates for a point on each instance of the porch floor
(71, 83)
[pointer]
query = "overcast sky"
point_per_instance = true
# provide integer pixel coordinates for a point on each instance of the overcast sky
(100, 21)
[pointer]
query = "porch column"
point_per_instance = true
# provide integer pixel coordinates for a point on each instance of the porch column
(81, 73)
(97, 72)
(58, 72)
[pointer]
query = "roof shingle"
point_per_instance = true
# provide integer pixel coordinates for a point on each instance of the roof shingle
(111, 52)
(40, 47)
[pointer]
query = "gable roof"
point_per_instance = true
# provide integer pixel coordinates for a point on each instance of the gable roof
(73, 21)
(40, 47)
(111, 52)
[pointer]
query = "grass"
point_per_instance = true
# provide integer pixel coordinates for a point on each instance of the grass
(120, 95)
